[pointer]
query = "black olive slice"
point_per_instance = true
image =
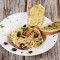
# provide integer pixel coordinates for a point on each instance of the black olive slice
(14, 49)
(24, 25)
(22, 45)
(5, 43)
(18, 34)
(36, 35)
(30, 52)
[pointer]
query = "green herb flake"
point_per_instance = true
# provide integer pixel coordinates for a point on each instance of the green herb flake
(21, 52)
(53, 35)
(1, 26)
(25, 29)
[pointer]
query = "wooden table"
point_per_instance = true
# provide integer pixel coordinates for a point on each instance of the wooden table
(52, 11)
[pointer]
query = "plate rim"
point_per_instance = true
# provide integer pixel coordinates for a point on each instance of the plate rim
(24, 54)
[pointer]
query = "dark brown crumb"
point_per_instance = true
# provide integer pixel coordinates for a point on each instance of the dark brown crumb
(41, 43)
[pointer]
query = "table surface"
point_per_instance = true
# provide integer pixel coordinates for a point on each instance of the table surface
(52, 11)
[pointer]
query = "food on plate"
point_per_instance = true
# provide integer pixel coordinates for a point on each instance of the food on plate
(29, 36)
(35, 15)
(50, 28)
(28, 32)
(20, 40)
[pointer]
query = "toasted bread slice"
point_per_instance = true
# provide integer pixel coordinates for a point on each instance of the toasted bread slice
(35, 15)
(50, 28)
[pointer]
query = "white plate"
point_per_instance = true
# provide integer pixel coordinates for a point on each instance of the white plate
(18, 20)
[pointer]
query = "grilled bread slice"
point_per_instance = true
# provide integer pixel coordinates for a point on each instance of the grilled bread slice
(50, 28)
(35, 15)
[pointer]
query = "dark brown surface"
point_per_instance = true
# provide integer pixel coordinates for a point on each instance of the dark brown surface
(8, 7)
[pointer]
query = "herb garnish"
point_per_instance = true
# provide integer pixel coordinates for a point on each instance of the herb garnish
(53, 35)
(21, 52)
(1, 26)
(25, 29)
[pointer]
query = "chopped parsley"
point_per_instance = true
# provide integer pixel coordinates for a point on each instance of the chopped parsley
(21, 52)
(1, 26)
(25, 29)
(53, 35)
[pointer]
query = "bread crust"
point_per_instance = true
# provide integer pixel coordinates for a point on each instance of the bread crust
(45, 32)
(29, 16)
(49, 33)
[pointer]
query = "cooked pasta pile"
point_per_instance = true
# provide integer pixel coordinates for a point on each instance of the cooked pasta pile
(19, 39)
